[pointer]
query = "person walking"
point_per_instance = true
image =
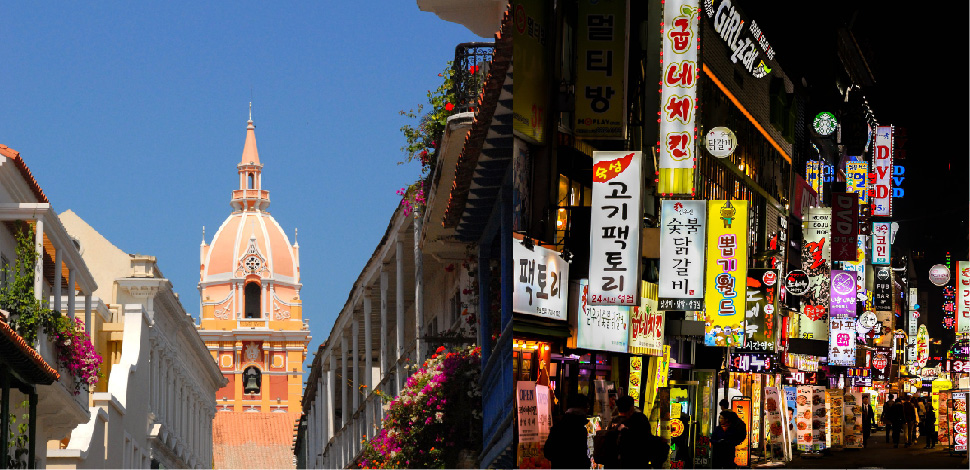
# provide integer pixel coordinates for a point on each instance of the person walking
(929, 425)
(911, 419)
(606, 442)
(868, 420)
(896, 418)
(566, 445)
(884, 417)
(727, 436)
(637, 446)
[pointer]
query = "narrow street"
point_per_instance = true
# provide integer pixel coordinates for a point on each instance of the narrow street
(879, 454)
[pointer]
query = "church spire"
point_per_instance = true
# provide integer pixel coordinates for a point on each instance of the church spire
(250, 195)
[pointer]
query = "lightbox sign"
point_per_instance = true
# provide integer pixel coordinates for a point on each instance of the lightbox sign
(842, 342)
(825, 123)
(963, 297)
(721, 142)
(939, 275)
(540, 283)
(760, 304)
(647, 323)
(601, 327)
(842, 301)
(682, 237)
(729, 25)
(845, 218)
(813, 175)
(922, 346)
(678, 96)
(601, 72)
(899, 174)
(882, 295)
(614, 260)
(753, 362)
(880, 243)
(882, 166)
(856, 177)
(727, 268)
(817, 263)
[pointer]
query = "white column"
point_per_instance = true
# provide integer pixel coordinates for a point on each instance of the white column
(385, 371)
(355, 331)
(418, 290)
(399, 299)
(344, 406)
(71, 293)
(39, 265)
(57, 282)
(368, 364)
(330, 395)
(267, 303)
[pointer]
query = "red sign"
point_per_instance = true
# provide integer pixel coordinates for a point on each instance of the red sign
(880, 361)
(742, 454)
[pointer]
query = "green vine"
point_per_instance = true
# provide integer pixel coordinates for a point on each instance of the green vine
(27, 314)
(422, 141)
(18, 441)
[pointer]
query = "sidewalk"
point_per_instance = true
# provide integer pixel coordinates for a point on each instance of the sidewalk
(879, 454)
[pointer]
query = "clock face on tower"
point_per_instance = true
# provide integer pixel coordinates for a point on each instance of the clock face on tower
(253, 264)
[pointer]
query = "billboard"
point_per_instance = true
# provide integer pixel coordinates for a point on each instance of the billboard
(678, 97)
(882, 167)
(817, 263)
(727, 268)
(601, 40)
(614, 256)
(540, 284)
(682, 236)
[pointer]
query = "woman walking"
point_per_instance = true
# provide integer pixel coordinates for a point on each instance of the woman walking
(929, 425)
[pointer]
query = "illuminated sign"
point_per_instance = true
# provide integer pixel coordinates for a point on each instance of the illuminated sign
(817, 263)
(922, 346)
(856, 177)
(813, 175)
(727, 268)
(845, 218)
(899, 174)
(760, 305)
(721, 142)
(753, 362)
(744, 48)
(614, 260)
(647, 323)
(601, 327)
(828, 173)
(742, 453)
(842, 300)
(963, 297)
(824, 123)
(939, 275)
(678, 97)
(682, 237)
(842, 341)
(542, 284)
(880, 243)
(883, 168)
(960, 366)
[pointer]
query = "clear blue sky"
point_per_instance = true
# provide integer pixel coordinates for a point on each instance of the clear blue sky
(133, 115)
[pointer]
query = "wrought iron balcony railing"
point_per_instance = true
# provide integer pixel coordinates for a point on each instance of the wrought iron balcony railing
(471, 65)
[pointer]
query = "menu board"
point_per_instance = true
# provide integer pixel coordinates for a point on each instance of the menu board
(853, 420)
(776, 418)
(818, 418)
(534, 419)
(943, 418)
(959, 415)
(803, 417)
(833, 426)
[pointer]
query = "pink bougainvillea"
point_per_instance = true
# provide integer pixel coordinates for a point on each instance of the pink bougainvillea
(76, 353)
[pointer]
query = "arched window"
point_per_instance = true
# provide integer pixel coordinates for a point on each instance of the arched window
(252, 293)
(252, 380)
(252, 181)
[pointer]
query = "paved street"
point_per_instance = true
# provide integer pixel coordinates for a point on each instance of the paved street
(881, 455)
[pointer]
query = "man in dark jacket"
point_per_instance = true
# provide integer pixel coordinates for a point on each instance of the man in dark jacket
(566, 445)
(895, 417)
(727, 436)
(884, 417)
(638, 447)
(910, 419)
(868, 420)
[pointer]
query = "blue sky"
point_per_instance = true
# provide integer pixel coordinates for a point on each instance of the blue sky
(133, 115)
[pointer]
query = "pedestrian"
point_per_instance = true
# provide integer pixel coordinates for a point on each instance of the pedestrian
(727, 436)
(895, 417)
(929, 425)
(911, 419)
(726, 408)
(566, 445)
(637, 446)
(868, 420)
(886, 406)
(606, 442)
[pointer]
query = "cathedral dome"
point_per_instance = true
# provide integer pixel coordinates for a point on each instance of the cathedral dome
(250, 243)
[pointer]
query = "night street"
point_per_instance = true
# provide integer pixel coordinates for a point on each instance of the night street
(879, 454)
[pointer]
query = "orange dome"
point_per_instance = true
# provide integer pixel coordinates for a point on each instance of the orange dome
(248, 243)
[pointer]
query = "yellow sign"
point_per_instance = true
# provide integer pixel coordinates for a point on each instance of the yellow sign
(636, 373)
(727, 268)
(530, 36)
(676, 427)
(600, 69)
(663, 368)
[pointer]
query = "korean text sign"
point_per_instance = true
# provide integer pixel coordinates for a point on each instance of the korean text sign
(880, 243)
(845, 231)
(647, 323)
(541, 280)
(530, 33)
(742, 453)
(882, 289)
(882, 166)
(842, 299)
(760, 304)
(963, 297)
(727, 269)
(679, 79)
(817, 263)
(682, 228)
(601, 327)
(813, 175)
(842, 342)
(856, 179)
(532, 411)
(601, 69)
(614, 260)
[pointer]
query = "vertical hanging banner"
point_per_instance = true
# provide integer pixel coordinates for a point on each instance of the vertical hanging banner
(845, 230)
(817, 263)
(882, 289)
(813, 175)
(842, 299)
(541, 285)
(963, 297)
(529, 35)
(882, 167)
(614, 259)
(760, 304)
(856, 177)
(727, 268)
(647, 323)
(601, 40)
(636, 377)
(678, 97)
(880, 243)
(682, 229)
(842, 342)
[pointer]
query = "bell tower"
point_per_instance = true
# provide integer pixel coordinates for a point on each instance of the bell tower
(251, 312)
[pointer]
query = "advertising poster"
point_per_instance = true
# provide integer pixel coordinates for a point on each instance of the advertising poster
(881, 243)
(742, 453)
(534, 420)
(614, 256)
(813, 175)
(601, 69)
(601, 327)
(804, 417)
(776, 423)
(882, 166)
(853, 420)
(792, 405)
(540, 286)
(682, 237)
(963, 297)
(959, 420)
(678, 97)
(817, 263)
(636, 375)
(530, 35)
(845, 230)
(727, 268)
(760, 304)
(647, 323)
(834, 409)
(842, 341)
(818, 418)
(842, 298)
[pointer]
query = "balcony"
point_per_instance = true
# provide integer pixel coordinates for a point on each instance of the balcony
(59, 410)
(472, 63)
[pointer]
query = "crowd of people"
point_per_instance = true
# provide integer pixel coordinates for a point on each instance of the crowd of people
(904, 415)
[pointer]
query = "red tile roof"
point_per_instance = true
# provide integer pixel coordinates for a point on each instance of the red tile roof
(253, 440)
(28, 176)
(23, 359)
